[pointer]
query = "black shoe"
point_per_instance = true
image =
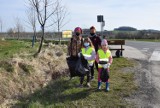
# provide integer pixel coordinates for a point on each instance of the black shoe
(80, 86)
(92, 78)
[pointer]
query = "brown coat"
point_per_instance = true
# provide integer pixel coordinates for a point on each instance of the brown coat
(74, 47)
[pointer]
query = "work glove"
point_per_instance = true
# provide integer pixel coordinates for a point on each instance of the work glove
(105, 66)
(85, 57)
(108, 65)
(79, 54)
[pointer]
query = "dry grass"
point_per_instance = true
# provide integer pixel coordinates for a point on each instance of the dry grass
(29, 83)
(23, 74)
(64, 93)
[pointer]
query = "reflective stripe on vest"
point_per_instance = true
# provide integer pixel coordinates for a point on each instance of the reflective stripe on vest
(103, 56)
(88, 53)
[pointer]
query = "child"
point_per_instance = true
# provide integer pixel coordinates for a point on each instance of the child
(103, 54)
(89, 54)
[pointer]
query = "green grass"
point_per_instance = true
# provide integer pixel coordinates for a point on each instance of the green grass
(64, 93)
(10, 47)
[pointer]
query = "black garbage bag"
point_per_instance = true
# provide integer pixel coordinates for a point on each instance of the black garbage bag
(82, 67)
(72, 65)
(104, 75)
(78, 66)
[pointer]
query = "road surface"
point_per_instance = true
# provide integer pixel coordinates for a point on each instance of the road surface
(147, 55)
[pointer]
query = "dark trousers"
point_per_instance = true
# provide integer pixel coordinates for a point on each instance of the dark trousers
(96, 64)
(88, 77)
(92, 70)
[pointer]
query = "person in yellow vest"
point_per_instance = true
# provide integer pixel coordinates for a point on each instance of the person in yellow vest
(103, 54)
(89, 54)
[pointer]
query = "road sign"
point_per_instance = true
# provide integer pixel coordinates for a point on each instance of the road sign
(67, 34)
(99, 18)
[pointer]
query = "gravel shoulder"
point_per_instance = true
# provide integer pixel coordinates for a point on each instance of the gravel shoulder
(146, 77)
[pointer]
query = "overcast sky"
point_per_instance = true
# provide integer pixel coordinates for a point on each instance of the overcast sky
(141, 14)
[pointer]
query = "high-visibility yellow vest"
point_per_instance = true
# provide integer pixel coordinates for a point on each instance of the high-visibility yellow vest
(88, 53)
(103, 56)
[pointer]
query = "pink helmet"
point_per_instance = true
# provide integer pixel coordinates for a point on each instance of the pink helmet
(77, 29)
(104, 42)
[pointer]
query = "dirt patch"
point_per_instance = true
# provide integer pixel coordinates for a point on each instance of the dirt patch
(145, 96)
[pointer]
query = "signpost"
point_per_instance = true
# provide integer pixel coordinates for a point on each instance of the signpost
(102, 22)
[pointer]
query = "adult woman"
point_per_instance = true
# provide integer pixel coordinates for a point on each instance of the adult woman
(74, 47)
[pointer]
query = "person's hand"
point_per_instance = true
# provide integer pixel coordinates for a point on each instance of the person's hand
(108, 65)
(105, 66)
(79, 54)
(85, 57)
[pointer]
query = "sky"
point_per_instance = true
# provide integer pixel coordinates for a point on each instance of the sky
(140, 14)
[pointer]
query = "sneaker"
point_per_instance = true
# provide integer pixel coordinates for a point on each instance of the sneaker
(92, 78)
(88, 85)
(80, 86)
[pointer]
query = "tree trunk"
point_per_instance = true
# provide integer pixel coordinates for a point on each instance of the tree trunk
(42, 39)
(18, 36)
(59, 33)
(35, 37)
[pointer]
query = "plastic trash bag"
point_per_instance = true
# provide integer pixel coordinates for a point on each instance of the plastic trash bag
(72, 65)
(82, 67)
(77, 67)
(104, 75)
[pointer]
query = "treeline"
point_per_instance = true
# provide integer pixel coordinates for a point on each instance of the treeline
(118, 33)
(133, 33)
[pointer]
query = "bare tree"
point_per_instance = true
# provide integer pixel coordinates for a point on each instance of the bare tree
(1, 23)
(60, 15)
(18, 27)
(43, 14)
(32, 20)
(10, 32)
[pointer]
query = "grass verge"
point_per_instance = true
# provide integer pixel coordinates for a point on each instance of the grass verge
(64, 93)
(10, 47)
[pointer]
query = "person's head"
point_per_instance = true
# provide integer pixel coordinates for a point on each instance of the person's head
(92, 30)
(87, 42)
(78, 32)
(104, 44)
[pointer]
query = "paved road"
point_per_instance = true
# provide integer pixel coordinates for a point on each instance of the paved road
(148, 54)
(151, 49)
